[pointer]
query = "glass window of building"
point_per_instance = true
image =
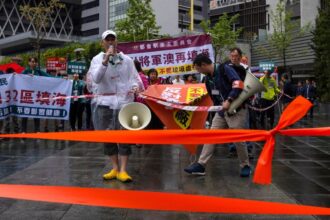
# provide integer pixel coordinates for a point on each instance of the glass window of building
(117, 11)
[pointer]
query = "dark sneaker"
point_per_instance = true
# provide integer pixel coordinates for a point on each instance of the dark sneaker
(195, 169)
(246, 171)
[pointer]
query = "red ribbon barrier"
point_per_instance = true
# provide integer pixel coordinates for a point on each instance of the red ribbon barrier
(153, 200)
(306, 132)
(176, 202)
(294, 111)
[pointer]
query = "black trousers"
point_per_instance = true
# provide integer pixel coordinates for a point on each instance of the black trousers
(8, 124)
(311, 111)
(89, 123)
(76, 112)
(270, 113)
(36, 124)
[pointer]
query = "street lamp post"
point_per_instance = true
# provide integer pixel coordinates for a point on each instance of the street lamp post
(191, 15)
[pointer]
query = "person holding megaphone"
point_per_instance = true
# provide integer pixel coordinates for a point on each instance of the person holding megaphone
(224, 86)
(236, 62)
(116, 83)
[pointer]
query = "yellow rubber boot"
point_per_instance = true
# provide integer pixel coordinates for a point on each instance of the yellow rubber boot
(124, 177)
(111, 175)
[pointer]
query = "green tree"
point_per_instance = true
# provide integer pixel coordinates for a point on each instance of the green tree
(140, 23)
(93, 49)
(321, 47)
(222, 33)
(284, 31)
(5, 60)
(39, 16)
(66, 50)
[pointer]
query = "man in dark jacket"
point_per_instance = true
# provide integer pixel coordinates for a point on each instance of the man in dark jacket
(241, 69)
(288, 90)
(224, 85)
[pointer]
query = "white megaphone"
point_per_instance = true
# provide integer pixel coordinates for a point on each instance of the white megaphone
(134, 116)
(252, 85)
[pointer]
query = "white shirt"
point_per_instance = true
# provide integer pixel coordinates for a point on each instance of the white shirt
(181, 82)
(246, 67)
(115, 82)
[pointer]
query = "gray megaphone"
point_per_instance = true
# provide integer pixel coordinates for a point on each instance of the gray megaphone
(134, 116)
(252, 85)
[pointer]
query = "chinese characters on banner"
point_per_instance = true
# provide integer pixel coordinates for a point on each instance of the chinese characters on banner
(269, 65)
(54, 63)
(186, 95)
(169, 56)
(182, 118)
(177, 94)
(34, 97)
(77, 67)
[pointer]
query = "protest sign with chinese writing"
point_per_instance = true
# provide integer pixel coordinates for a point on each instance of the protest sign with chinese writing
(172, 118)
(169, 56)
(54, 63)
(34, 97)
(77, 67)
(266, 65)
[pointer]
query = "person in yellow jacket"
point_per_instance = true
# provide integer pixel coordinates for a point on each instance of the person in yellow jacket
(268, 98)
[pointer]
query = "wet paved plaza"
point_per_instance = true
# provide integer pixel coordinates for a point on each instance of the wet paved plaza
(301, 174)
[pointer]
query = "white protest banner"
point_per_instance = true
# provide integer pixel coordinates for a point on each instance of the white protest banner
(34, 96)
(172, 56)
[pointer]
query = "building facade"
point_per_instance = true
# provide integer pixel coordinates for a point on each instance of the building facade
(173, 16)
(86, 20)
(252, 15)
(200, 13)
(17, 34)
(94, 18)
(116, 11)
(255, 17)
(299, 55)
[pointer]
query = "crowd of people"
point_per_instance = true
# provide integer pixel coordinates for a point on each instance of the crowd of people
(80, 116)
(115, 80)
